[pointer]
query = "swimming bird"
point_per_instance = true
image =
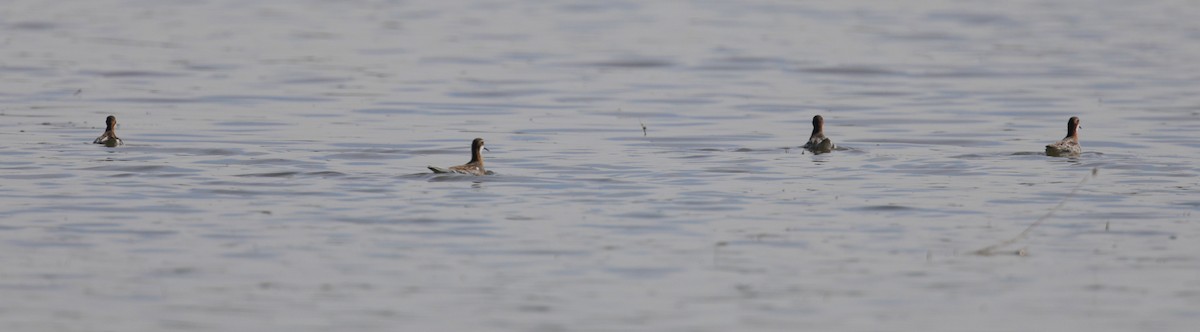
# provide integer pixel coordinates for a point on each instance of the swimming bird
(1068, 146)
(109, 137)
(817, 142)
(473, 167)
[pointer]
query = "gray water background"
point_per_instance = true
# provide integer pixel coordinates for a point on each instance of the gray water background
(273, 177)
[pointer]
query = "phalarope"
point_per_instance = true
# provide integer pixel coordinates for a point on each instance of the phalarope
(109, 137)
(1068, 146)
(473, 167)
(817, 142)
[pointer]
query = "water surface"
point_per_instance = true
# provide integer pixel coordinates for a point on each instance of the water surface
(648, 169)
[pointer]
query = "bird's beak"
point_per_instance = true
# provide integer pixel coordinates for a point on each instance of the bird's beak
(486, 149)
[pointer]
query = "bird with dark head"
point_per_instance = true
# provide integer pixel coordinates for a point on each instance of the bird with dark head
(109, 137)
(1068, 146)
(473, 167)
(817, 142)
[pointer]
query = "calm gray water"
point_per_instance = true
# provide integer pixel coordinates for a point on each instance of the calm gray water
(273, 176)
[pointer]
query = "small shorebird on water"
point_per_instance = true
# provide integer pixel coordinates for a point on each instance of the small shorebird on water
(473, 167)
(817, 142)
(1068, 146)
(109, 137)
